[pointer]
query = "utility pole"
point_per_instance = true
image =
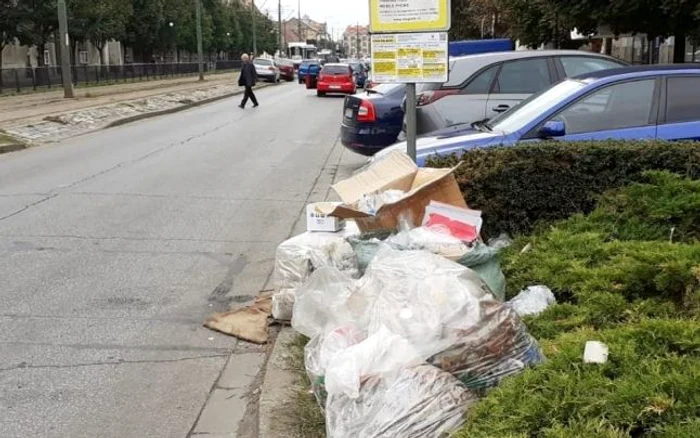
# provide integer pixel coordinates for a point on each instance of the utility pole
(200, 50)
(255, 34)
(64, 50)
(279, 17)
(357, 48)
(301, 40)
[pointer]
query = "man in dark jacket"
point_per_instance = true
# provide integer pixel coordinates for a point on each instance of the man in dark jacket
(248, 79)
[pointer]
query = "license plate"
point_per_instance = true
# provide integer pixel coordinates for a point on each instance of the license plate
(335, 87)
(348, 113)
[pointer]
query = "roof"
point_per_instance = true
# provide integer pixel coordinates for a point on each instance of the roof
(518, 54)
(336, 64)
(660, 68)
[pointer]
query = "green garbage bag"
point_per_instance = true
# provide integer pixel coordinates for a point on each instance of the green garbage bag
(366, 247)
(483, 259)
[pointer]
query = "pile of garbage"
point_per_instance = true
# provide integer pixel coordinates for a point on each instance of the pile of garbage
(406, 318)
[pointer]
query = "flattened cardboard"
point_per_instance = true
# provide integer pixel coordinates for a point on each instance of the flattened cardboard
(397, 171)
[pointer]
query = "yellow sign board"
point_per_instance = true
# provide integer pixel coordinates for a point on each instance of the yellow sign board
(410, 57)
(394, 16)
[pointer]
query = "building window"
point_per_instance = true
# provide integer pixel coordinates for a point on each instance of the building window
(47, 57)
(83, 57)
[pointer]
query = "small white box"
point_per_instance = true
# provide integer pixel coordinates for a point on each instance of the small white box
(595, 352)
(317, 220)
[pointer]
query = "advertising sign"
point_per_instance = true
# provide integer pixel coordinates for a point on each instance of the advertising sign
(410, 57)
(393, 16)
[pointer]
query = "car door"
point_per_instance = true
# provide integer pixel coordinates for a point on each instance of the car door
(516, 81)
(622, 111)
(680, 113)
(468, 103)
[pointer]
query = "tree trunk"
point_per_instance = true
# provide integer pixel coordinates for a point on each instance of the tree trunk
(2, 47)
(40, 48)
(100, 48)
(679, 48)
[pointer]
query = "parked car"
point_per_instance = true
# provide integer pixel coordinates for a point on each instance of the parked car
(372, 120)
(633, 103)
(308, 66)
(266, 69)
(286, 67)
(485, 85)
(335, 78)
(360, 74)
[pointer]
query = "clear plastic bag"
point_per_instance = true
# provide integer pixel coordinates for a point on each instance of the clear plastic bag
(416, 402)
(283, 304)
(298, 257)
(532, 301)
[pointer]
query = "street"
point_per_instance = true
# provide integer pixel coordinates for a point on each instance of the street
(115, 247)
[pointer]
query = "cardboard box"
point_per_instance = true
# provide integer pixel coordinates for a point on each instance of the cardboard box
(396, 172)
(317, 218)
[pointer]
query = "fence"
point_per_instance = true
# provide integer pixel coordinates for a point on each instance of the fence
(19, 79)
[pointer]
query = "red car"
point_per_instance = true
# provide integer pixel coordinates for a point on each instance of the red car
(336, 78)
(286, 67)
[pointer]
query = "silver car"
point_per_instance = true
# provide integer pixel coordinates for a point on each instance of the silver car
(266, 69)
(483, 86)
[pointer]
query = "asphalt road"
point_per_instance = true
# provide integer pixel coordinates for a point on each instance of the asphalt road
(115, 246)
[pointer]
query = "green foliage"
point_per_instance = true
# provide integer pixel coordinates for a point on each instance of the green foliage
(519, 187)
(37, 20)
(650, 384)
(618, 279)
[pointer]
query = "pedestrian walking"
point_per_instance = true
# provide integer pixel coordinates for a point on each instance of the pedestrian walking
(248, 79)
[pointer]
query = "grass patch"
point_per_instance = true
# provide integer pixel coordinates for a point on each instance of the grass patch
(628, 275)
(309, 419)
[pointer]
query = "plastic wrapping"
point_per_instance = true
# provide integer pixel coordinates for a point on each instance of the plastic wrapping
(370, 203)
(532, 301)
(416, 402)
(283, 304)
(297, 257)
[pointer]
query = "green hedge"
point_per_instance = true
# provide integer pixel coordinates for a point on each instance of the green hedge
(517, 187)
(621, 277)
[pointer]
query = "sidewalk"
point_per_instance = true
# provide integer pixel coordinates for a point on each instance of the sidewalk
(49, 117)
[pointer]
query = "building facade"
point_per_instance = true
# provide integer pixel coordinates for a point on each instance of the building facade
(356, 41)
(304, 30)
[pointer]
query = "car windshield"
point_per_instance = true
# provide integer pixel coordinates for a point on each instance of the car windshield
(262, 62)
(356, 67)
(520, 115)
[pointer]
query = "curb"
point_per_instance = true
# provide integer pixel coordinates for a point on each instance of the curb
(177, 109)
(13, 147)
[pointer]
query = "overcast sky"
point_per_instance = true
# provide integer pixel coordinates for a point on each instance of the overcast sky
(337, 13)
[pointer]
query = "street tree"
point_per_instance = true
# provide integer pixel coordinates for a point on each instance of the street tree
(9, 24)
(100, 21)
(38, 21)
(143, 30)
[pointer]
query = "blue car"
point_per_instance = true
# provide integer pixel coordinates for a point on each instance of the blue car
(360, 74)
(372, 119)
(647, 102)
(308, 67)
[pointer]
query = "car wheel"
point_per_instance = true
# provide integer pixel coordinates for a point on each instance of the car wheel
(320, 94)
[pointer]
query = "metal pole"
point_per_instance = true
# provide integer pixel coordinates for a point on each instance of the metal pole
(301, 40)
(411, 120)
(357, 34)
(200, 50)
(279, 17)
(255, 35)
(65, 50)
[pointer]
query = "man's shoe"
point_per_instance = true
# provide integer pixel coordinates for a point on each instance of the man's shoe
(241, 107)
(256, 105)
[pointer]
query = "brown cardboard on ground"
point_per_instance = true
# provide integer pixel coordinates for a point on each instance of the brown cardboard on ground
(396, 172)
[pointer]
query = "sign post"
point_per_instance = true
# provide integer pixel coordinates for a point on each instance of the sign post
(410, 46)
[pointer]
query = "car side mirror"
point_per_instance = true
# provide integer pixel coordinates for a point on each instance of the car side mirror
(553, 129)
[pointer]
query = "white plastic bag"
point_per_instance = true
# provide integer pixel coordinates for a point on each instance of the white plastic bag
(283, 304)
(416, 402)
(532, 301)
(298, 257)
